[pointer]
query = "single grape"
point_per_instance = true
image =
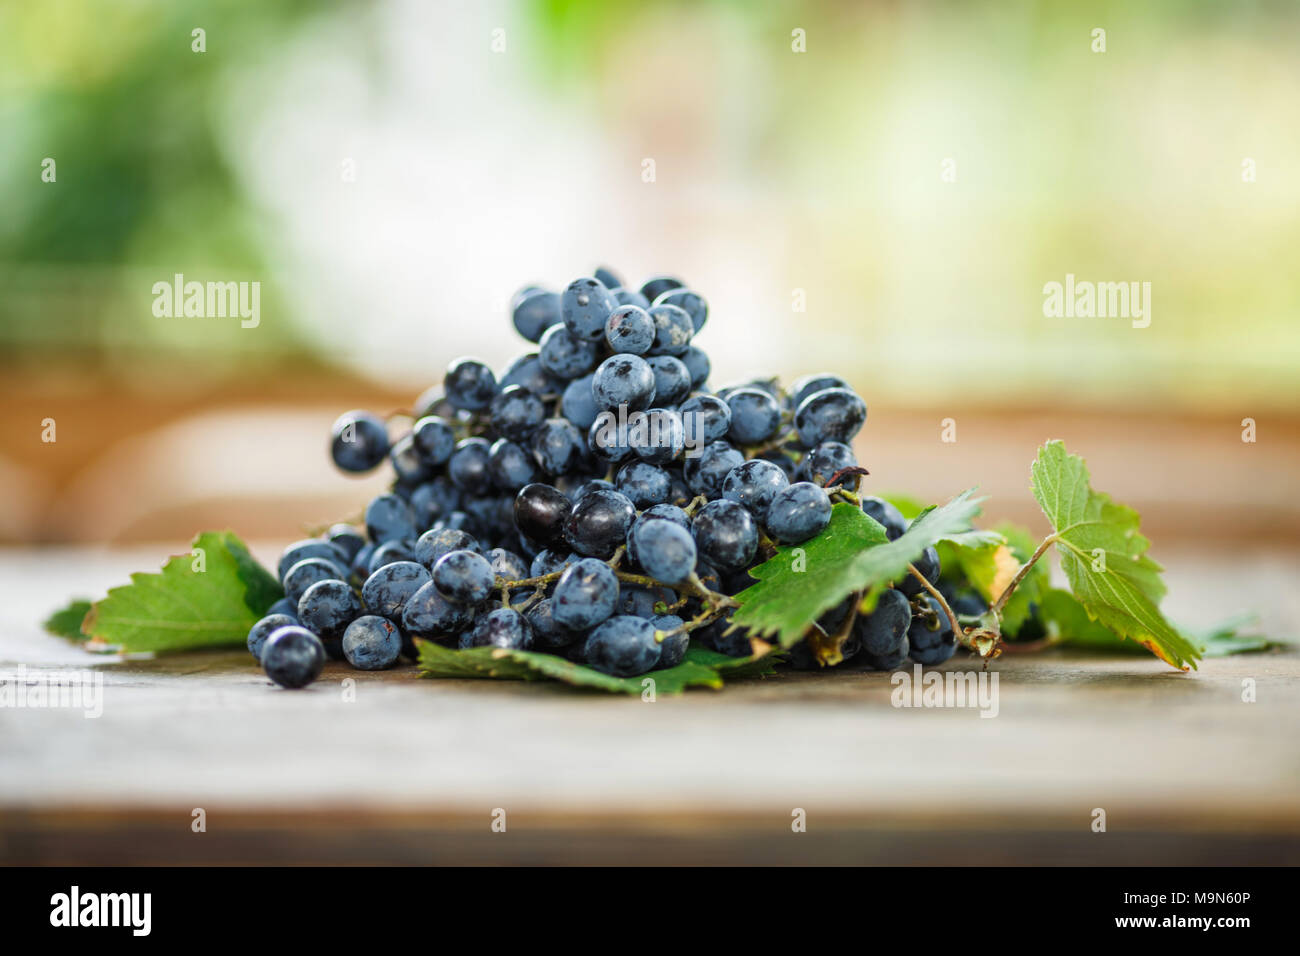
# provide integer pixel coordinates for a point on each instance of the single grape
(672, 379)
(630, 329)
(697, 363)
(832, 414)
(390, 552)
(665, 550)
(358, 441)
(540, 511)
(607, 440)
(723, 637)
(469, 385)
(640, 601)
(558, 447)
(504, 627)
(407, 462)
(464, 577)
(672, 650)
(578, 404)
(692, 303)
(585, 594)
(585, 306)
(725, 534)
(706, 418)
(782, 460)
(587, 485)
(623, 380)
(435, 438)
(548, 632)
(528, 372)
(564, 355)
(884, 630)
(660, 437)
(390, 587)
(469, 467)
(598, 523)
(430, 615)
(389, 518)
(286, 607)
(347, 540)
(656, 286)
(433, 500)
(706, 472)
(517, 412)
(548, 562)
(310, 548)
(623, 646)
(755, 416)
(372, 643)
(436, 542)
(327, 608)
(511, 465)
(631, 297)
(887, 662)
(507, 565)
(890, 517)
(822, 463)
(534, 311)
(264, 628)
(928, 565)
(930, 647)
(303, 574)
(673, 330)
(801, 388)
(797, 513)
(643, 483)
(608, 278)
(293, 656)
(754, 484)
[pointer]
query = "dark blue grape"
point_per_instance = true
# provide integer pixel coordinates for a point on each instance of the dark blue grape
(435, 439)
(327, 608)
(641, 601)
(799, 512)
(511, 465)
(662, 438)
(303, 574)
(534, 311)
(665, 550)
(671, 377)
(434, 499)
(884, 630)
(585, 306)
(548, 632)
(672, 650)
(360, 568)
(464, 577)
(598, 523)
(782, 460)
(540, 511)
(890, 517)
(725, 534)
(263, 629)
(630, 330)
(706, 472)
(585, 595)
(697, 363)
(390, 552)
(668, 512)
(293, 656)
(504, 627)
(469, 385)
(548, 562)
(389, 518)
(673, 330)
(358, 441)
(588, 485)
(631, 297)
(832, 414)
(284, 606)
(436, 542)
(390, 587)
(372, 643)
(754, 484)
(408, 464)
(723, 637)
(755, 415)
(926, 646)
(623, 380)
(346, 539)
(310, 548)
(706, 418)
(607, 440)
(578, 405)
(822, 463)
(656, 286)
(507, 565)
(643, 483)
(623, 646)
(928, 565)
(558, 447)
(692, 303)
(887, 662)
(808, 384)
(430, 615)
(470, 466)
(528, 372)
(517, 412)
(564, 355)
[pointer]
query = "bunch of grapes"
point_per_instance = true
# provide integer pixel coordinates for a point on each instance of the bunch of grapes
(597, 501)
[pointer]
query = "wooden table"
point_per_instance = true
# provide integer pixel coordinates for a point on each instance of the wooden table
(412, 770)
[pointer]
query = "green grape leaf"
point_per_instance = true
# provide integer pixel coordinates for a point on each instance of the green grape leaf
(209, 597)
(697, 670)
(1104, 557)
(800, 583)
(66, 621)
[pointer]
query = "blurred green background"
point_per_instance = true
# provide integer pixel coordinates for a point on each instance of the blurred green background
(390, 172)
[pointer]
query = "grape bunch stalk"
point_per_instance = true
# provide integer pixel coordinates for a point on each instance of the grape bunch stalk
(598, 500)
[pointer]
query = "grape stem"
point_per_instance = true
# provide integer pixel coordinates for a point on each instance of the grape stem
(1001, 602)
(958, 631)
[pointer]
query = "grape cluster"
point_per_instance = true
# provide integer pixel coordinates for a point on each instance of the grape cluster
(597, 500)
